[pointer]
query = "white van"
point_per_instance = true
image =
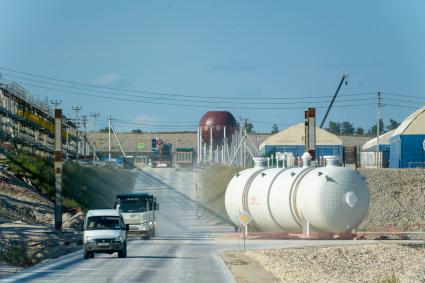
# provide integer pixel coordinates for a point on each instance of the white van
(104, 232)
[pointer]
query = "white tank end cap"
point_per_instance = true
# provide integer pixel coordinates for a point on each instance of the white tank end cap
(351, 198)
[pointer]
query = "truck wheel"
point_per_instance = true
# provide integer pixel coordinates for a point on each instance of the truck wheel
(87, 254)
(123, 253)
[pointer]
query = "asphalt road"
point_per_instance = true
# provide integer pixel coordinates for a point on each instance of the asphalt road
(184, 249)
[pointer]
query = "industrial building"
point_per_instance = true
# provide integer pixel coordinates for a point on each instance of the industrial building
(371, 155)
(292, 140)
(407, 143)
(27, 123)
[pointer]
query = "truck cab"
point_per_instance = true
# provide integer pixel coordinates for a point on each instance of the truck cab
(138, 211)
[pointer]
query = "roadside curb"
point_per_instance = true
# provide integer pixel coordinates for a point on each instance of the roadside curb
(246, 269)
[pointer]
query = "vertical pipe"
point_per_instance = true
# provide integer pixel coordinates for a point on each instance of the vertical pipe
(197, 145)
(241, 153)
(217, 158)
(211, 144)
(94, 140)
(224, 145)
(58, 169)
(277, 161)
(201, 152)
(205, 152)
(109, 140)
(378, 114)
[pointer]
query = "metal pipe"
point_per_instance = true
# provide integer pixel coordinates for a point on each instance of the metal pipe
(211, 145)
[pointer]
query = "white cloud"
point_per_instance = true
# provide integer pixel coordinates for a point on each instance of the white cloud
(112, 79)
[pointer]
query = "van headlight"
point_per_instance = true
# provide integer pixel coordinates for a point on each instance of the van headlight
(89, 240)
(118, 239)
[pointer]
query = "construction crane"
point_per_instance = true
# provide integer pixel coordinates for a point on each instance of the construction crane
(344, 78)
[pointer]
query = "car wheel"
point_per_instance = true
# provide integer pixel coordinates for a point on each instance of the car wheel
(86, 254)
(123, 253)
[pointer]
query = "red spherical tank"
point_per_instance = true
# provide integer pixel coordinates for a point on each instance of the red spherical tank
(217, 120)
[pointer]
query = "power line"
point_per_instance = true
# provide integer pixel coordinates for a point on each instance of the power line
(404, 101)
(183, 105)
(401, 106)
(402, 95)
(198, 101)
(165, 93)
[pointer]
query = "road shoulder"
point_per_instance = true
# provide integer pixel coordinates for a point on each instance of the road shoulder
(245, 269)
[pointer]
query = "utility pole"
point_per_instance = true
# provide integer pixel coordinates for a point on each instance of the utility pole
(109, 140)
(378, 115)
(66, 121)
(56, 103)
(58, 168)
(85, 120)
(94, 115)
(77, 121)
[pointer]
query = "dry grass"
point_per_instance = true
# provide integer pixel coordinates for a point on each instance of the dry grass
(211, 187)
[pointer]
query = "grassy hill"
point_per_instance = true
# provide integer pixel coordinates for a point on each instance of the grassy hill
(86, 187)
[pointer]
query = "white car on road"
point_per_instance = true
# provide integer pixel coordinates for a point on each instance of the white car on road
(104, 232)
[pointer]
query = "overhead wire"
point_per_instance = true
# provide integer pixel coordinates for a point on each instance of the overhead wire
(195, 101)
(163, 93)
(244, 100)
(186, 105)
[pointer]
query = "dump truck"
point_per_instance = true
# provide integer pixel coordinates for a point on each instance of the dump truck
(184, 157)
(160, 153)
(139, 212)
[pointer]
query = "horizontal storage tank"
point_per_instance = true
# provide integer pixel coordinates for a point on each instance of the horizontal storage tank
(327, 199)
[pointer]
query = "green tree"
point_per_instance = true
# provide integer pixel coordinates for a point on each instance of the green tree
(359, 131)
(137, 131)
(249, 128)
(104, 130)
(347, 128)
(393, 125)
(334, 127)
(372, 131)
(275, 129)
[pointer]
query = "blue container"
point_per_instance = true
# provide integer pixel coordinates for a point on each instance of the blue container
(406, 151)
(298, 150)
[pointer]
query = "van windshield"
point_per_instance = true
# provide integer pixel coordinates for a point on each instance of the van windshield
(103, 223)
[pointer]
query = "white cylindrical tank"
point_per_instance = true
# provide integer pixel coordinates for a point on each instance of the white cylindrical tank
(236, 188)
(332, 199)
(328, 199)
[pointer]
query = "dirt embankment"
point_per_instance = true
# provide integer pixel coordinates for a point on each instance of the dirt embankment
(211, 187)
(397, 200)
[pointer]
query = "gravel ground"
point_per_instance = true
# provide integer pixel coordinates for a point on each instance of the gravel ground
(22, 204)
(366, 263)
(397, 200)
(26, 218)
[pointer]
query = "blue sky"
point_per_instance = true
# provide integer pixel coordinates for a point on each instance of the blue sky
(245, 49)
